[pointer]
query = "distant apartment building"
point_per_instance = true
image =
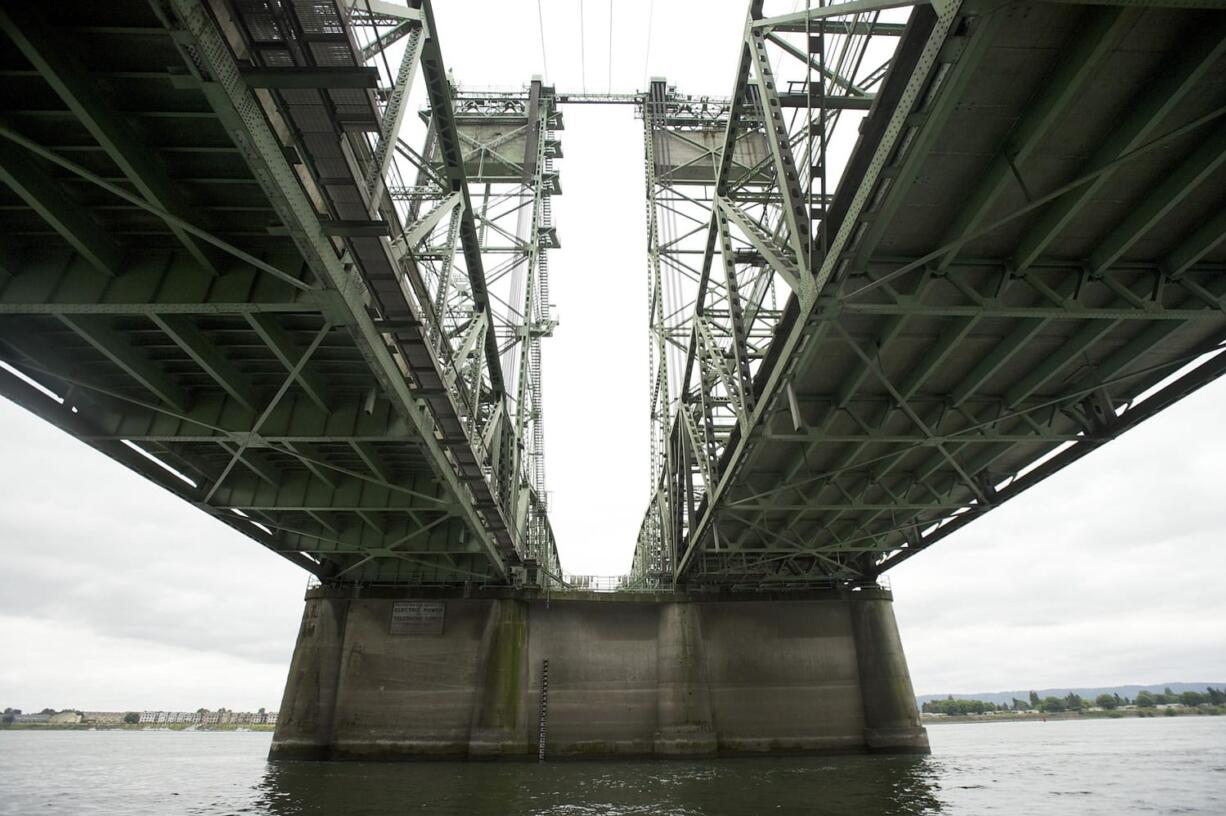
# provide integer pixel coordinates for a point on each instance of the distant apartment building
(103, 717)
(64, 718)
(32, 718)
(221, 716)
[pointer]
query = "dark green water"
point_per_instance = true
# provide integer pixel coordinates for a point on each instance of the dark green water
(1171, 765)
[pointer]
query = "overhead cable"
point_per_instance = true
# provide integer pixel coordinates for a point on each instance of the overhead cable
(651, 11)
(540, 19)
(582, 51)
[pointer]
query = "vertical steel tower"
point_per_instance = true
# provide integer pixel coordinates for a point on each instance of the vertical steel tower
(737, 189)
(476, 199)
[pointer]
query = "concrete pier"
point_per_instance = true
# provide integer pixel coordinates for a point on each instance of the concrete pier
(448, 676)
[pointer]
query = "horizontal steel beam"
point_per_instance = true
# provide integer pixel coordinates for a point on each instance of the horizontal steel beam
(296, 78)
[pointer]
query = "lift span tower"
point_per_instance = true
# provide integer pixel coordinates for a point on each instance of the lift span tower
(923, 256)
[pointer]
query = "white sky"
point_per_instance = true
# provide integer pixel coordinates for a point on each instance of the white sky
(116, 595)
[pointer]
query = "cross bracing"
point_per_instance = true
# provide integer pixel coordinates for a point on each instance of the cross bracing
(922, 257)
(1023, 246)
(216, 272)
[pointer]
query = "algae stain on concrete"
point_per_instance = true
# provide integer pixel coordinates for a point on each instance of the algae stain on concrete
(502, 680)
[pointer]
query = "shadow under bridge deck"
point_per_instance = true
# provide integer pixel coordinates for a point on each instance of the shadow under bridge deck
(196, 281)
(1025, 259)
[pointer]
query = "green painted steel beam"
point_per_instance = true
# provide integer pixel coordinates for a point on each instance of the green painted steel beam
(1145, 115)
(838, 9)
(286, 350)
(302, 491)
(998, 311)
(313, 461)
(1176, 185)
(1057, 359)
(296, 78)
(929, 123)
(800, 100)
(373, 461)
(56, 61)
(295, 419)
(1093, 41)
(827, 26)
(254, 461)
(1169, 395)
(205, 353)
(916, 440)
(116, 348)
(1197, 244)
(77, 423)
(48, 199)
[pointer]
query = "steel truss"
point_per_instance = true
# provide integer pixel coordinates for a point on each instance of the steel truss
(228, 267)
(736, 193)
(275, 326)
(825, 405)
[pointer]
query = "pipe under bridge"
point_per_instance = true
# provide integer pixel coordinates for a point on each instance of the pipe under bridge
(922, 257)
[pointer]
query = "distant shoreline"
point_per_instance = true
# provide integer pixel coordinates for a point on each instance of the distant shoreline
(136, 727)
(1016, 716)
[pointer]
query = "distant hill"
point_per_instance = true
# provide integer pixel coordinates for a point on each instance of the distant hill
(1006, 697)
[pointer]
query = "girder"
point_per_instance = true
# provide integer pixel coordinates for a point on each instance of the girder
(988, 309)
(225, 267)
(280, 375)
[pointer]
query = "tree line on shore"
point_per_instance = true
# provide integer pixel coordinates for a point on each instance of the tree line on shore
(1075, 702)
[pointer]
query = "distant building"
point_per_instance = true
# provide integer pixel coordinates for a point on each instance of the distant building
(65, 718)
(103, 717)
(32, 718)
(221, 716)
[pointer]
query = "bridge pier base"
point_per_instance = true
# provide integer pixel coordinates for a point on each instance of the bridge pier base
(436, 675)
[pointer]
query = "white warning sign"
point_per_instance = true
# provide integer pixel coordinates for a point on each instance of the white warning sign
(418, 617)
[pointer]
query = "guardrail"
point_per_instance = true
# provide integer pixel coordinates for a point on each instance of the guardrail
(596, 583)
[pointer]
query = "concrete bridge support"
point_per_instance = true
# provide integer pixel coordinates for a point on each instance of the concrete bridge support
(381, 676)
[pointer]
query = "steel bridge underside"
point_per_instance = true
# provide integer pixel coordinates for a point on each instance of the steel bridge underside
(1029, 237)
(1027, 240)
(194, 274)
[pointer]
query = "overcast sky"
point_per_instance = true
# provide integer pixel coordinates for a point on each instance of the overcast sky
(115, 595)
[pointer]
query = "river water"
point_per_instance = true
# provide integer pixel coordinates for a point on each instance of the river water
(1164, 765)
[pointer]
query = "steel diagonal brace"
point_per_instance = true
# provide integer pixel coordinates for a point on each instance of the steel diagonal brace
(780, 259)
(794, 205)
(294, 373)
(906, 408)
(697, 444)
(737, 322)
(171, 219)
(834, 77)
(714, 354)
(438, 89)
(947, 12)
(393, 114)
(832, 10)
(1042, 201)
(470, 341)
(419, 231)
(210, 55)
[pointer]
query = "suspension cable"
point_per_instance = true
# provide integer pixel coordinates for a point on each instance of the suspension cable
(540, 19)
(582, 51)
(651, 10)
